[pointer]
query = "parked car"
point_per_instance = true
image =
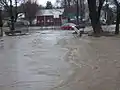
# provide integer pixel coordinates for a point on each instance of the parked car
(68, 26)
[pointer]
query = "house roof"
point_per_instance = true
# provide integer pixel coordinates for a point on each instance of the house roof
(50, 12)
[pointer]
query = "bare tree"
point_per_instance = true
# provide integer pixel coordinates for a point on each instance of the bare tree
(11, 7)
(6, 4)
(94, 13)
(49, 5)
(30, 9)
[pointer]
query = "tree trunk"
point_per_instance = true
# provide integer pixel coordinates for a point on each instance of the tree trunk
(1, 24)
(77, 15)
(82, 9)
(16, 12)
(12, 23)
(94, 14)
(1, 32)
(96, 26)
(117, 20)
(12, 27)
(30, 21)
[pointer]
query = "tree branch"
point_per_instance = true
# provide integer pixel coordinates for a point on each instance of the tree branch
(100, 7)
(117, 3)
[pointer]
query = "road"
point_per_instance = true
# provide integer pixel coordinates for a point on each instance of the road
(33, 62)
(59, 60)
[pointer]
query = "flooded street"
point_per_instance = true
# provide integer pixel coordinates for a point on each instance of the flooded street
(59, 60)
(34, 62)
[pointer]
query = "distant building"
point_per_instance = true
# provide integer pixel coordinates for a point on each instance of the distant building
(49, 17)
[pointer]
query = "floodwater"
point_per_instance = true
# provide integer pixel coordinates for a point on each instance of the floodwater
(59, 60)
(35, 61)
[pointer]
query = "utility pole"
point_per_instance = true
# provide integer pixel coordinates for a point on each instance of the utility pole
(77, 12)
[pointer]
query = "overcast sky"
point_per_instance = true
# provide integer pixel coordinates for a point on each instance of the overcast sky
(43, 2)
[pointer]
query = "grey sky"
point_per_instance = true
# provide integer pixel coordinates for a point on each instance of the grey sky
(43, 2)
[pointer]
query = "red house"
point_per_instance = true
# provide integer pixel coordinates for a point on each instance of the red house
(49, 17)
